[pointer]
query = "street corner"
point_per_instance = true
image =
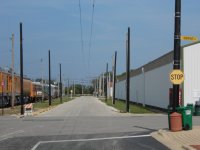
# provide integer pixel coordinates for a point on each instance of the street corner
(162, 137)
(189, 139)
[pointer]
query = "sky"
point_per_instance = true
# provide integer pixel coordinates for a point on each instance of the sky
(83, 46)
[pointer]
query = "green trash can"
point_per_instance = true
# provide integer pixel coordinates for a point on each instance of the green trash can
(186, 117)
(191, 107)
(197, 110)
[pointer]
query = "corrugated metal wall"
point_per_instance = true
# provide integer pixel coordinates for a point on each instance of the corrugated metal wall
(148, 88)
(151, 87)
(120, 90)
(191, 57)
(157, 86)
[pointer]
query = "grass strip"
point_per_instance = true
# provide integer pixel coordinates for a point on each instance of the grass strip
(36, 106)
(121, 105)
(54, 102)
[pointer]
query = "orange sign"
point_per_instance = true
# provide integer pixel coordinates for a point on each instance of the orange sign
(176, 77)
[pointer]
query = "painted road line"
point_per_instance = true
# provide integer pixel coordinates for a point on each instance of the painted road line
(16, 132)
(2, 139)
(9, 135)
(86, 140)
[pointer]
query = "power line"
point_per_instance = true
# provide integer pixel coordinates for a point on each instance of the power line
(82, 42)
(91, 31)
(81, 26)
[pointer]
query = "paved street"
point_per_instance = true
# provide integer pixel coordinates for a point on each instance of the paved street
(84, 123)
(82, 106)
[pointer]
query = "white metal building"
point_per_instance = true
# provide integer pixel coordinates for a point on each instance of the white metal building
(150, 84)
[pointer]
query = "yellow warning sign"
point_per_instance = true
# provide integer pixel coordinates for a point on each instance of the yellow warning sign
(189, 38)
(176, 77)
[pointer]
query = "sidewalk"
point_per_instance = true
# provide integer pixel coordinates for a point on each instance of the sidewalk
(182, 140)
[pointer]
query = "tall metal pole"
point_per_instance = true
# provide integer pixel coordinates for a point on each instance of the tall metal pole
(21, 71)
(106, 87)
(42, 80)
(82, 88)
(49, 78)
(114, 76)
(68, 88)
(100, 90)
(2, 98)
(60, 85)
(109, 87)
(177, 49)
(13, 80)
(97, 87)
(103, 84)
(128, 71)
(74, 88)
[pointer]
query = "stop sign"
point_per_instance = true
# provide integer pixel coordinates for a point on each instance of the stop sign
(176, 77)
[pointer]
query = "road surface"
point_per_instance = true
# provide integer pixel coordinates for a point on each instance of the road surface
(83, 123)
(82, 106)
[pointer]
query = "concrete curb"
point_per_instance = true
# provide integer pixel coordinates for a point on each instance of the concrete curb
(172, 139)
(36, 113)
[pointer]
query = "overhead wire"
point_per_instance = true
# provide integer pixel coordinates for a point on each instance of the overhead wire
(91, 33)
(82, 42)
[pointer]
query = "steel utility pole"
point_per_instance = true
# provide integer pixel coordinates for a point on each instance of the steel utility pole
(103, 84)
(109, 87)
(74, 88)
(106, 87)
(128, 70)
(82, 88)
(49, 78)
(114, 76)
(60, 85)
(68, 88)
(177, 49)
(21, 71)
(97, 87)
(42, 80)
(13, 79)
(100, 85)
(2, 98)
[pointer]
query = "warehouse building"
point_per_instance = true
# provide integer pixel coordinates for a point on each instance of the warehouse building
(150, 84)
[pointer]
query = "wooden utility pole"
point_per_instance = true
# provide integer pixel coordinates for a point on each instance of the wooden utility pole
(49, 78)
(128, 71)
(68, 88)
(114, 76)
(60, 85)
(106, 86)
(21, 72)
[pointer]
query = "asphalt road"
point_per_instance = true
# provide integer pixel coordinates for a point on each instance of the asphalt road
(82, 124)
(82, 106)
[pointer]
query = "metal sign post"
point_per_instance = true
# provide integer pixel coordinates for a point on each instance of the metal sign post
(177, 48)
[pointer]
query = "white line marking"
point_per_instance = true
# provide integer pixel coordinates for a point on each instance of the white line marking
(7, 136)
(16, 132)
(36, 145)
(85, 140)
(4, 139)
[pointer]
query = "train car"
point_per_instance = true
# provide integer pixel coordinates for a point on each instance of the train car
(33, 91)
(6, 88)
(54, 91)
(36, 91)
